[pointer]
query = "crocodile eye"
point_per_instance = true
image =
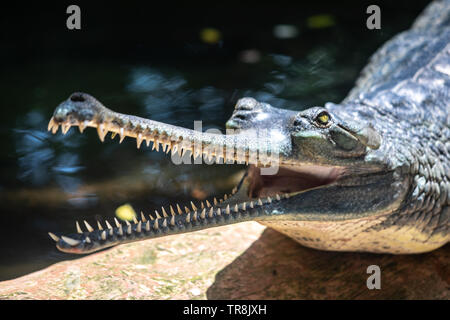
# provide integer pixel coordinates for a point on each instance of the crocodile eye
(323, 118)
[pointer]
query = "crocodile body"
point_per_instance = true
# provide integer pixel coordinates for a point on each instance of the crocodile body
(369, 174)
(404, 93)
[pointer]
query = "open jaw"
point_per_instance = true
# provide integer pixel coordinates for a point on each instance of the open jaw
(257, 197)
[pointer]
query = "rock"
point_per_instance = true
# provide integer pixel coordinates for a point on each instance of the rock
(276, 267)
(243, 261)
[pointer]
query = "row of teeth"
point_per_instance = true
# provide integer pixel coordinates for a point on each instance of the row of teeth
(175, 144)
(165, 220)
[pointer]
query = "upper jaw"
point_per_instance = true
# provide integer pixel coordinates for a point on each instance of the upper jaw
(260, 146)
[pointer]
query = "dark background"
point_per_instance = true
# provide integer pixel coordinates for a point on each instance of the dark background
(148, 58)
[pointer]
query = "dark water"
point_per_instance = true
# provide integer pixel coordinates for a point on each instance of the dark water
(153, 63)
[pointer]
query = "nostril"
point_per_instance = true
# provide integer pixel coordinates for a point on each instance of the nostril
(297, 123)
(76, 97)
(240, 116)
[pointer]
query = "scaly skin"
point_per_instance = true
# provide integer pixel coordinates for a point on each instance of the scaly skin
(371, 174)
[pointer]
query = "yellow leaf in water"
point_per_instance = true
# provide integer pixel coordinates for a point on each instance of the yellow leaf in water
(125, 212)
(320, 21)
(210, 35)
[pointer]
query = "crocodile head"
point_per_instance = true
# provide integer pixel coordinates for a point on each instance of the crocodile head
(309, 173)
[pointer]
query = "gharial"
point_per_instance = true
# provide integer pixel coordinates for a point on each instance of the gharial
(370, 174)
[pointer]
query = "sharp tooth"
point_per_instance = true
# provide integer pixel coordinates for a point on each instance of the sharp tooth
(202, 205)
(51, 123)
(88, 226)
(120, 230)
(139, 227)
(179, 209)
(244, 206)
(218, 211)
(55, 128)
(251, 204)
(278, 197)
(54, 237)
(101, 132)
(127, 223)
(99, 225)
(78, 227)
(118, 225)
(164, 224)
(147, 226)
(103, 235)
(157, 215)
(269, 200)
(172, 212)
(139, 140)
(129, 229)
(236, 208)
(156, 224)
(186, 209)
(135, 220)
(164, 212)
(155, 145)
(172, 220)
(65, 128)
(211, 211)
(234, 190)
(260, 202)
(193, 206)
(111, 230)
(194, 216)
(83, 126)
(188, 218)
(227, 210)
(70, 241)
(203, 214)
(174, 149)
(225, 197)
(143, 217)
(208, 204)
(215, 201)
(122, 134)
(113, 135)
(88, 240)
